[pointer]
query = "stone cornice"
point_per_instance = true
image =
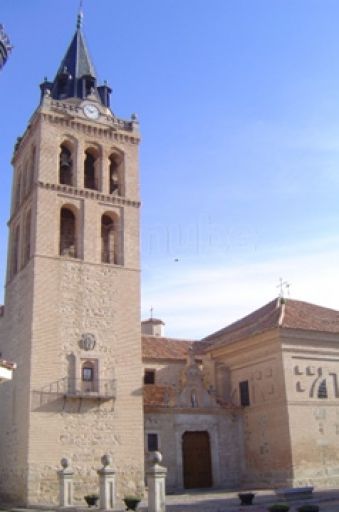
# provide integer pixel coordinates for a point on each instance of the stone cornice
(174, 410)
(244, 343)
(112, 132)
(72, 110)
(291, 336)
(89, 194)
(74, 192)
(68, 115)
(78, 261)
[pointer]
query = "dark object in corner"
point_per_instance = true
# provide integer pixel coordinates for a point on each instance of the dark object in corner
(131, 502)
(278, 507)
(246, 498)
(308, 508)
(91, 499)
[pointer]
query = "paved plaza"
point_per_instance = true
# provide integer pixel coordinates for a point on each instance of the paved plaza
(220, 501)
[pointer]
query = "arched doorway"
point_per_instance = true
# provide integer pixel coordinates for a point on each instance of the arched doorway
(196, 454)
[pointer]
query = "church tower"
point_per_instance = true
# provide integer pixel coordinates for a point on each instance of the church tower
(71, 319)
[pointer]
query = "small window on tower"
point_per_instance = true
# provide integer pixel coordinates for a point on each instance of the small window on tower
(27, 238)
(322, 390)
(87, 374)
(149, 377)
(152, 442)
(15, 251)
(244, 393)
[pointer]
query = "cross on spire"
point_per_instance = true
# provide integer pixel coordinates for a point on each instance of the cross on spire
(151, 311)
(76, 77)
(283, 287)
(80, 15)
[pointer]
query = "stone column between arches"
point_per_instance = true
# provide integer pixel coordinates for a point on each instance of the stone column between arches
(79, 164)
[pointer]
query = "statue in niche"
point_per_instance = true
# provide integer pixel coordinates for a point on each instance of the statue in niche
(193, 393)
(194, 399)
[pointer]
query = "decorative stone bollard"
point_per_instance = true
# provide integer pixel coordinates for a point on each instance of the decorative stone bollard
(156, 478)
(106, 483)
(65, 484)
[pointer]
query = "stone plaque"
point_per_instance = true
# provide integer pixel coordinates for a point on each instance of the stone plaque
(87, 341)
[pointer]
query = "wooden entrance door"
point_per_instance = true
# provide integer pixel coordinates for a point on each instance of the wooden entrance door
(196, 454)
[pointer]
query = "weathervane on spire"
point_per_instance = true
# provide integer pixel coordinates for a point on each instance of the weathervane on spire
(80, 15)
(283, 287)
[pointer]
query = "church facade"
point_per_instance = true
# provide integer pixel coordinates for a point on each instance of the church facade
(255, 404)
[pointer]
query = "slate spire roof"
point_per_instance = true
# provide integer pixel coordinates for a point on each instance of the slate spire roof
(77, 61)
(76, 76)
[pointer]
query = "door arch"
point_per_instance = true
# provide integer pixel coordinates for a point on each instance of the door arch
(196, 455)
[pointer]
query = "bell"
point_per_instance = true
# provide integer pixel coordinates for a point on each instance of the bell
(65, 160)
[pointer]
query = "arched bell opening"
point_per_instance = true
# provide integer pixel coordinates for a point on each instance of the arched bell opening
(65, 165)
(68, 239)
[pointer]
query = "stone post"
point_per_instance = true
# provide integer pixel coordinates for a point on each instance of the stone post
(107, 484)
(65, 484)
(156, 478)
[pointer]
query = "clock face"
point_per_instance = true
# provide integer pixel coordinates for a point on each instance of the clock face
(91, 111)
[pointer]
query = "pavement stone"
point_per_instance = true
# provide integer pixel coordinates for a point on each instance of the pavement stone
(218, 501)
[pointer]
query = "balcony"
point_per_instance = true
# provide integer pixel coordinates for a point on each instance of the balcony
(99, 389)
(73, 395)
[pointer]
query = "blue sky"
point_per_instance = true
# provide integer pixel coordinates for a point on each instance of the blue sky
(238, 102)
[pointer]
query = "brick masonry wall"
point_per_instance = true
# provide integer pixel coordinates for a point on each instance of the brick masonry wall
(95, 299)
(51, 303)
(314, 418)
(267, 457)
(14, 395)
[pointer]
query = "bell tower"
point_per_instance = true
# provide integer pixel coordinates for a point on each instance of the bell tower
(71, 319)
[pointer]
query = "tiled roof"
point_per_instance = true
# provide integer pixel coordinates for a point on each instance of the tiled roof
(153, 321)
(156, 347)
(159, 395)
(7, 364)
(260, 320)
(302, 315)
(156, 395)
(288, 313)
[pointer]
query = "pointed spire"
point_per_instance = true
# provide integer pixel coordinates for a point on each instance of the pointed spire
(76, 77)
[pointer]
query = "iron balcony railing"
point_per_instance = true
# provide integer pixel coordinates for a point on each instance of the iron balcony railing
(103, 389)
(97, 388)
